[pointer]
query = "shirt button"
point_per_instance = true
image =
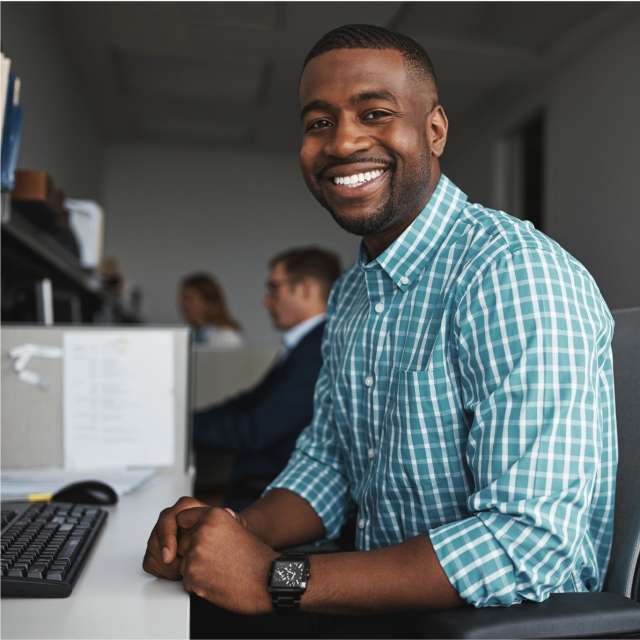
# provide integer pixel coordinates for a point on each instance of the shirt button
(368, 381)
(361, 523)
(371, 453)
(379, 308)
(404, 280)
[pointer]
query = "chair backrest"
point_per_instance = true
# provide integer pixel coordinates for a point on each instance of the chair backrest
(624, 569)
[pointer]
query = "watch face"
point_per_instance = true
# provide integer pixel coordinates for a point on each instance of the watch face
(289, 573)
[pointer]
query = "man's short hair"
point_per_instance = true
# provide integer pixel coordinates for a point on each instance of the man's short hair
(368, 36)
(310, 262)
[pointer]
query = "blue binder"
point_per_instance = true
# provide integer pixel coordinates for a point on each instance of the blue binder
(11, 135)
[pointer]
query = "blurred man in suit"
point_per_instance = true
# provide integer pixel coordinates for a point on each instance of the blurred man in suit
(263, 423)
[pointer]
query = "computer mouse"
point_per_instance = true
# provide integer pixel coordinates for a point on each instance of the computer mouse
(86, 492)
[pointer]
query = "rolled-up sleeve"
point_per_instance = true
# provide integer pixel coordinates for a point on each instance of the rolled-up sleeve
(533, 344)
(316, 468)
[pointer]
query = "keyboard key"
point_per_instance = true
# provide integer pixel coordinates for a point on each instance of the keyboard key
(64, 568)
(70, 549)
(36, 572)
(54, 575)
(16, 572)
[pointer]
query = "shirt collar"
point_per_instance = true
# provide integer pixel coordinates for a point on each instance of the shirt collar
(407, 255)
(293, 336)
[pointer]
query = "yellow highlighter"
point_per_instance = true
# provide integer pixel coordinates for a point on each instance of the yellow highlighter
(39, 497)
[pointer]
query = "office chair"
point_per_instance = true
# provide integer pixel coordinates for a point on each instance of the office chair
(615, 612)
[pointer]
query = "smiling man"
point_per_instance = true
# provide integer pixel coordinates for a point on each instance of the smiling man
(465, 406)
(376, 170)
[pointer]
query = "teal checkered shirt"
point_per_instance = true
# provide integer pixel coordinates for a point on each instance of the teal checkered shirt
(467, 394)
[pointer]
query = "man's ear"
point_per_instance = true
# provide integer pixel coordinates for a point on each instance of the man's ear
(302, 287)
(437, 126)
(311, 288)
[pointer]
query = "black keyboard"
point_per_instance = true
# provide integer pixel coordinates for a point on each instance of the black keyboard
(45, 546)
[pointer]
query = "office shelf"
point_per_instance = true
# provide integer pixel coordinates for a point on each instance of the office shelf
(29, 256)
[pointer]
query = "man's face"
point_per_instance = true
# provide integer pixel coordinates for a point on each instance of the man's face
(284, 299)
(365, 154)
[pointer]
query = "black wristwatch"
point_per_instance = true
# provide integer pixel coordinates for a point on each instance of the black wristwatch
(288, 579)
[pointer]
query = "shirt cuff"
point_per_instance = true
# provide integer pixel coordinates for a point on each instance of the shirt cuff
(477, 567)
(320, 485)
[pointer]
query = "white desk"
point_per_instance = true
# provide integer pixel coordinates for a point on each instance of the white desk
(113, 597)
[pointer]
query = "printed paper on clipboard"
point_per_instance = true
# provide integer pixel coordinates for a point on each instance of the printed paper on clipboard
(118, 399)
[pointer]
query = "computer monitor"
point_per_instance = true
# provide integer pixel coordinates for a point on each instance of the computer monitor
(33, 403)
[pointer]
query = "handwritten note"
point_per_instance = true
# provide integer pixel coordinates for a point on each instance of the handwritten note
(118, 399)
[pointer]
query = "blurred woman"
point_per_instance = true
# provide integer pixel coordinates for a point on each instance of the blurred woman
(204, 307)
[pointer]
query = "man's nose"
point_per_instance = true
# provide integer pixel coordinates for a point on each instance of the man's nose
(348, 138)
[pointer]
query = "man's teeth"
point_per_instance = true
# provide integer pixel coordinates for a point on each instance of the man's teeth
(358, 178)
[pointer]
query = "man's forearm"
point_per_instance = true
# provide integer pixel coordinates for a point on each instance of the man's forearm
(282, 518)
(403, 576)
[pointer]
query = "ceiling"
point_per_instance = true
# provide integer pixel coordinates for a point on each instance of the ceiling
(225, 73)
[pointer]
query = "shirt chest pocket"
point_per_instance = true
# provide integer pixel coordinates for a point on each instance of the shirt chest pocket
(424, 425)
(411, 398)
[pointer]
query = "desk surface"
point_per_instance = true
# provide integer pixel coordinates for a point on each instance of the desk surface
(113, 597)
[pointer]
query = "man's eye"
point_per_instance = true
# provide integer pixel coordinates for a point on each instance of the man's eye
(376, 114)
(318, 124)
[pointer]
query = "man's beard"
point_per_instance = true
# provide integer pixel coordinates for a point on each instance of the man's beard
(395, 208)
(374, 223)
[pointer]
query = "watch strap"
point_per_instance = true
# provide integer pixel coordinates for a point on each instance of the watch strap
(287, 601)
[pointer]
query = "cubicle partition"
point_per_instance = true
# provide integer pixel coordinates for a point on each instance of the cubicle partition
(98, 382)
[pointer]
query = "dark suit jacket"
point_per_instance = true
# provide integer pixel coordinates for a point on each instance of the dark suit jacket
(263, 423)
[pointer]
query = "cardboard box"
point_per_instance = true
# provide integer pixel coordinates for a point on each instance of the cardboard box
(33, 185)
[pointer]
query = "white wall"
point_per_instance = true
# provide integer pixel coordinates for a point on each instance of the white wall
(59, 131)
(592, 162)
(171, 211)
